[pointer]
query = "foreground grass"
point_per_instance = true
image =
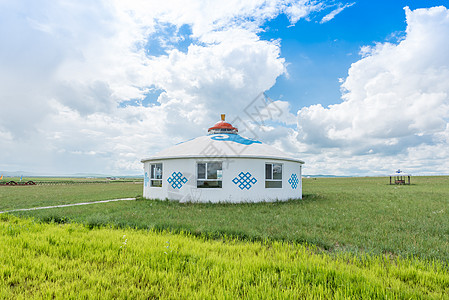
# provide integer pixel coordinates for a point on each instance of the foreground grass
(71, 261)
(357, 215)
(14, 197)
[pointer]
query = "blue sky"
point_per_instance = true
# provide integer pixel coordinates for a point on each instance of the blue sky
(320, 53)
(359, 87)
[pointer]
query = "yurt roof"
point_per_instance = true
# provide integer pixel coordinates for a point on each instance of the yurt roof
(400, 173)
(223, 125)
(222, 142)
(219, 146)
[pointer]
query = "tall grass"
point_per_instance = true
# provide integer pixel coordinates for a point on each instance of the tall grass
(357, 215)
(71, 261)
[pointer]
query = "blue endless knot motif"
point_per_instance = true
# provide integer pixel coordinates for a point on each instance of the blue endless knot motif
(244, 180)
(294, 181)
(176, 180)
(146, 179)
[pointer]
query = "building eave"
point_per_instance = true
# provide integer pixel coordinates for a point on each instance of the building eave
(159, 158)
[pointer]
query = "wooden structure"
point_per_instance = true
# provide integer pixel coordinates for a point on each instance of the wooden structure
(400, 177)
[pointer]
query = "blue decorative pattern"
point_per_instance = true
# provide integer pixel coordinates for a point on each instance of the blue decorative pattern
(234, 138)
(244, 180)
(146, 179)
(294, 181)
(176, 180)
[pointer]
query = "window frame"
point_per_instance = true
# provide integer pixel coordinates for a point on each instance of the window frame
(218, 180)
(271, 181)
(154, 177)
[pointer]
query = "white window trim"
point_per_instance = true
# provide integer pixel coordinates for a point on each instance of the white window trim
(274, 180)
(205, 171)
(162, 175)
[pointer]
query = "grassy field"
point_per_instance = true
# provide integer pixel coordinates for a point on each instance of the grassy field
(348, 238)
(14, 197)
(70, 261)
(356, 215)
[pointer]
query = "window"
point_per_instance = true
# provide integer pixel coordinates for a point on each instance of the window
(209, 175)
(273, 175)
(156, 175)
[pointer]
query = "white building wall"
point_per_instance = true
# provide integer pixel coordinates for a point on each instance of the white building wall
(182, 174)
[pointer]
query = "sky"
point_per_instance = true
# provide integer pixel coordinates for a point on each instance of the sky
(353, 88)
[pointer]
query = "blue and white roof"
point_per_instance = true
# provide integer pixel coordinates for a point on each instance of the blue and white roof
(400, 173)
(221, 145)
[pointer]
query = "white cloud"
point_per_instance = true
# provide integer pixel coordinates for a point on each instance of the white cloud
(335, 12)
(395, 108)
(69, 67)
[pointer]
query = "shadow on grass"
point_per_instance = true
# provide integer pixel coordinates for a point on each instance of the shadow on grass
(306, 198)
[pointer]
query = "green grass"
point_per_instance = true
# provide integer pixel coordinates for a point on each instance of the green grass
(348, 238)
(71, 179)
(14, 197)
(356, 215)
(69, 261)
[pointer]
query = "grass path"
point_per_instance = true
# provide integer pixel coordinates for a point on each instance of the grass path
(18, 197)
(66, 205)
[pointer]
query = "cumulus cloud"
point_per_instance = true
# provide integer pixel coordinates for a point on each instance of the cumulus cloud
(395, 104)
(77, 82)
(70, 71)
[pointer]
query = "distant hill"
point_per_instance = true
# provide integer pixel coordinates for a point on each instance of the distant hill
(322, 176)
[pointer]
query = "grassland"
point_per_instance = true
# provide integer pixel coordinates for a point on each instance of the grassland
(14, 197)
(348, 238)
(70, 261)
(357, 215)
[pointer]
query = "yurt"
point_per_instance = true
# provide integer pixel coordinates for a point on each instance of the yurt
(399, 177)
(222, 166)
